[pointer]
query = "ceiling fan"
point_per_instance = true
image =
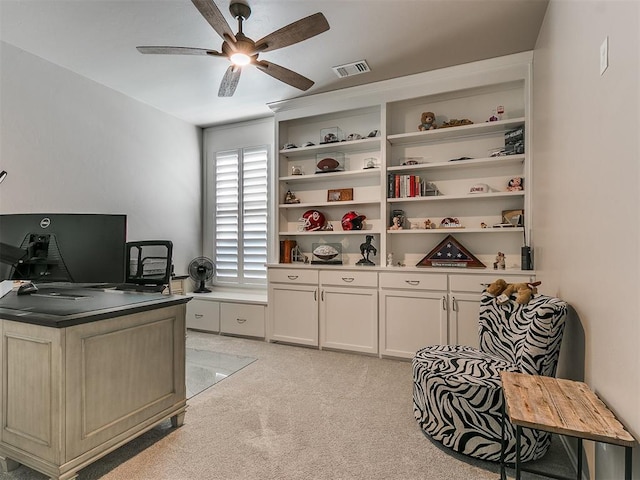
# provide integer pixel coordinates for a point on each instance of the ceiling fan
(240, 50)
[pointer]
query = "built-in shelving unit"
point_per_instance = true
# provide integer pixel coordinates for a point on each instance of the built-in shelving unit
(464, 163)
(394, 307)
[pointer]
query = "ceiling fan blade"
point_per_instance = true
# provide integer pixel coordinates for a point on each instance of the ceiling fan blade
(212, 14)
(178, 51)
(293, 33)
(229, 81)
(284, 75)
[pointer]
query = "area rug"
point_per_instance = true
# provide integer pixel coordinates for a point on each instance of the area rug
(205, 368)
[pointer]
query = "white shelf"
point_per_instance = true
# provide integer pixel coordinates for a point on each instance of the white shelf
(331, 232)
(369, 172)
(454, 132)
(446, 198)
(506, 160)
(432, 231)
(329, 204)
(364, 144)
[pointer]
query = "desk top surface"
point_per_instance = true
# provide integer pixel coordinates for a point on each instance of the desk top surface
(561, 406)
(65, 307)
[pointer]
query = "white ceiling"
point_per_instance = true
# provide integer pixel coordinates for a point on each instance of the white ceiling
(97, 39)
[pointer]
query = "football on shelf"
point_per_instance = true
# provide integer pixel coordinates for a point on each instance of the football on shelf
(328, 164)
(325, 252)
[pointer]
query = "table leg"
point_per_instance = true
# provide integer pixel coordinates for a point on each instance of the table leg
(503, 441)
(628, 462)
(579, 477)
(518, 433)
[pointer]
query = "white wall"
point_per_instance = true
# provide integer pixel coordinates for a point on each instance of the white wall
(586, 200)
(71, 145)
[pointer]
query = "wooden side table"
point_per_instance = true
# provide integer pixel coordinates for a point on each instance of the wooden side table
(559, 406)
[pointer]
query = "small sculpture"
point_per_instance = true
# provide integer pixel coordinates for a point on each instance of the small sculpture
(499, 264)
(365, 249)
(390, 259)
(396, 223)
(428, 121)
(290, 198)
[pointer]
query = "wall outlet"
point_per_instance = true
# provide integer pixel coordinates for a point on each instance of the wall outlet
(604, 55)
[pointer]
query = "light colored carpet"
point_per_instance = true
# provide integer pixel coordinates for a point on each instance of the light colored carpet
(294, 413)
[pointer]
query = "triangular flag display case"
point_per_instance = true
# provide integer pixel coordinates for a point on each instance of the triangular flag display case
(450, 253)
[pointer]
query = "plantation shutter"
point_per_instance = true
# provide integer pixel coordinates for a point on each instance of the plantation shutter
(241, 216)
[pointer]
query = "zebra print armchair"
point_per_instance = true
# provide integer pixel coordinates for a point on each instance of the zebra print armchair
(457, 397)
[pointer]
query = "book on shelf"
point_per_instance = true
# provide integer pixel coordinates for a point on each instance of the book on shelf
(406, 186)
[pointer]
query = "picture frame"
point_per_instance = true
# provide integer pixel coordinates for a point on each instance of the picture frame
(340, 195)
(513, 218)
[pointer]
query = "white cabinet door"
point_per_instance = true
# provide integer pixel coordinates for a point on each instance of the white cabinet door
(349, 319)
(242, 319)
(463, 319)
(293, 314)
(410, 320)
(203, 315)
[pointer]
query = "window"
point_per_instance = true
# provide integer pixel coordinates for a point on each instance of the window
(241, 211)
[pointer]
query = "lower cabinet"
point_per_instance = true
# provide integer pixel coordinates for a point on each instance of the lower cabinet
(349, 310)
(242, 319)
(203, 315)
(391, 313)
(293, 306)
(413, 312)
(216, 312)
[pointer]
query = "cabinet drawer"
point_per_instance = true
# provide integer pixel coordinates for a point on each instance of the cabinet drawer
(203, 315)
(284, 275)
(242, 319)
(413, 281)
(477, 283)
(349, 278)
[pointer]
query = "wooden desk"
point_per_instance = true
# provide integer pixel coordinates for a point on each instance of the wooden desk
(559, 406)
(84, 372)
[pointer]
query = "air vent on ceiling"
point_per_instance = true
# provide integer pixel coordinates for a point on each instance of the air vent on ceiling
(350, 69)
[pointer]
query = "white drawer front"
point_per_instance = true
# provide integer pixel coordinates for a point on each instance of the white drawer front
(203, 315)
(477, 283)
(285, 275)
(349, 278)
(242, 319)
(413, 281)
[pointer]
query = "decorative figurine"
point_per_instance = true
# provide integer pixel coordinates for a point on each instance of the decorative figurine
(428, 121)
(499, 264)
(396, 223)
(390, 259)
(483, 225)
(515, 184)
(365, 249)
(290, 197)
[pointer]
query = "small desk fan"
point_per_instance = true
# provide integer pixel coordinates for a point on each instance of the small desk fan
(201, 270)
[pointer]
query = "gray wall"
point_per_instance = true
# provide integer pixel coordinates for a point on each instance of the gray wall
(586, 200)
(71, 145)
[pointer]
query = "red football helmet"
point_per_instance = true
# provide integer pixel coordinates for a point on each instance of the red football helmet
(353, 221)
(313, 220)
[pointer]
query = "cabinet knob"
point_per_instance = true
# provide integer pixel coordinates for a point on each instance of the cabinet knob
(348, 279)
(241, 320)
(292, 277)
(198, 315)
(413, 282)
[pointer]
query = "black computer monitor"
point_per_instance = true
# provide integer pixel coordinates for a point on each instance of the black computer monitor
(69, 247)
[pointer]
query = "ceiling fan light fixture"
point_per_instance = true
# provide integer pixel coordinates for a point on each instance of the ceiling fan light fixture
(240, 59)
